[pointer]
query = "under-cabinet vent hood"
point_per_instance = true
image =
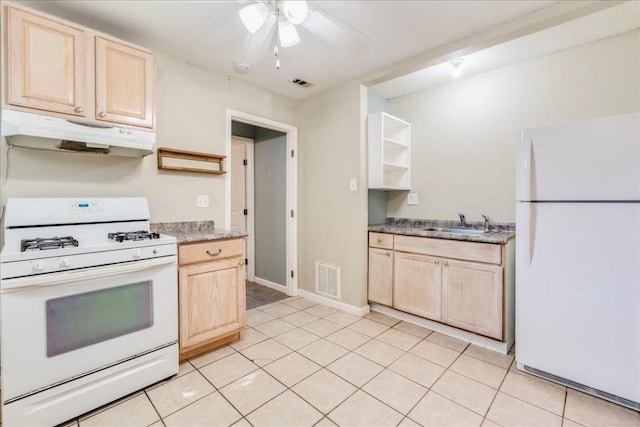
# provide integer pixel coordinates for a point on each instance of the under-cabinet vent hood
(52, 133)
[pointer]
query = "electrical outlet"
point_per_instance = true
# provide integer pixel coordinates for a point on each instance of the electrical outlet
(202, 201)
(353, 184)
(412, 199)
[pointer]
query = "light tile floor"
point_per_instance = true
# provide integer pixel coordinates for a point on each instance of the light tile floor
(303, 364)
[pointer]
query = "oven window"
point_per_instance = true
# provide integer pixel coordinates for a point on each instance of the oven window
(77, 321)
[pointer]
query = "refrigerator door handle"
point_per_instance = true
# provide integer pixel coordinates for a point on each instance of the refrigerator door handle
(525, 170)
(528, 220)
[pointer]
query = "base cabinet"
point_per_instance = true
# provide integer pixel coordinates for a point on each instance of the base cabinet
(381, 276)
(417, 287)
(461, 284)
(212, 295)
(472, 297)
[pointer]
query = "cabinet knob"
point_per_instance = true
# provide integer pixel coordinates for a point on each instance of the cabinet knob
(101, 114)
(445, 262)
(78, 109)
(379, 240)
(437, 261)
(241, 263)
(214, 254)
(388, 253)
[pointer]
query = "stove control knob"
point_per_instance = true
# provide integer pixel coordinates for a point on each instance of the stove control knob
(137, 253)
(65, 263)
(40, 266)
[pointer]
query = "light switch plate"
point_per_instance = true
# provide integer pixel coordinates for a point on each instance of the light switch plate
(412, 199)
(202, 201)
(353, 184)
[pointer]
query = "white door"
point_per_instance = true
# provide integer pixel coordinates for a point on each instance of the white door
(578, 293)
(239, 183)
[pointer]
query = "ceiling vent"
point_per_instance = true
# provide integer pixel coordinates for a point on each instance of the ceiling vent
(301, 83)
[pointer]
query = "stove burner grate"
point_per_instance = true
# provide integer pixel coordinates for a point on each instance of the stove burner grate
(133, 235)
(47, 243)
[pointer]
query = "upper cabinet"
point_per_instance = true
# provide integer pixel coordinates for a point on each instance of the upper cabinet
(72, 71)
(389, 152)
(46, 64)
(124, 83)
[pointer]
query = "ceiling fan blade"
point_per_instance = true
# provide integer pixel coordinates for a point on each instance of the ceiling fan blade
(333, 31)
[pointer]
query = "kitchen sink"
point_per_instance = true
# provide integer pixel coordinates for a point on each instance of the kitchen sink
(471, 231)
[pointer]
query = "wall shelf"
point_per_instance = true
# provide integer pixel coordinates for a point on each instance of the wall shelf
(190, 161)
(389, 152)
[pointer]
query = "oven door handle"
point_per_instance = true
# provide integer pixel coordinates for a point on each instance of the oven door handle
(21, 283)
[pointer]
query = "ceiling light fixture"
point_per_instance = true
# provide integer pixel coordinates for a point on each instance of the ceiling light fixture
(254, 16)
(285, 14)
(457, 67)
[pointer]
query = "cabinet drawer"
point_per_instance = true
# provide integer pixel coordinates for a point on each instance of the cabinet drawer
(381, 240)
(467, 251)
(209, 251)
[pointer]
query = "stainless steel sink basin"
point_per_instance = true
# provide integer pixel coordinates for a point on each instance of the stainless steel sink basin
(471, 231)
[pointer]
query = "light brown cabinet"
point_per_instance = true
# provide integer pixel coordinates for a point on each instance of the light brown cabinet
(417, 287)
(124, 83)
(472, 297)
(381, 276)
(211, 294)
(458, 283)
(58, 67)
(46, 64)
(381, 268)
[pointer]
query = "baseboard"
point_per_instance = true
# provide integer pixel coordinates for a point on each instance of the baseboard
(470, 337)
(269, 284)
(348, 308)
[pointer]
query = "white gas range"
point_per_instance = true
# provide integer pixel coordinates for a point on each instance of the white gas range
(89, 308)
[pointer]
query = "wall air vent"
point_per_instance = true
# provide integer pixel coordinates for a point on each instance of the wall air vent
(300, 82)
(328, 280)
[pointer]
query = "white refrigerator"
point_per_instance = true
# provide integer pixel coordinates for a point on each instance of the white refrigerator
(578, 256)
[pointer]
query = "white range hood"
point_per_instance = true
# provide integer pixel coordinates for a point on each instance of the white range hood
(52, 133)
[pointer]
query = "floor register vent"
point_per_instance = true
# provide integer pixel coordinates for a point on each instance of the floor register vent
(328, 280)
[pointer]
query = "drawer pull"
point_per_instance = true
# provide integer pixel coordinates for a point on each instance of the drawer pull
(379, 240)
(212, 254)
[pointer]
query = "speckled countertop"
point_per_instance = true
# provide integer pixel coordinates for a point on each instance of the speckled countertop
(500, 232)
(195, 231)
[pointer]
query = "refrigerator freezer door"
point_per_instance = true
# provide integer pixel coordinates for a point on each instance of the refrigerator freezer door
(578, 293)
(592, 160)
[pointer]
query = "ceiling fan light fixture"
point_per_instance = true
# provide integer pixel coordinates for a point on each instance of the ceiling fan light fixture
(296, 11)
(253, 16)
(288, 34)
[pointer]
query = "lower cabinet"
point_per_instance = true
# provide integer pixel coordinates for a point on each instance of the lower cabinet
(461, 284)
(472, 297)
(417, 287)
(381, 276)
(212, 301)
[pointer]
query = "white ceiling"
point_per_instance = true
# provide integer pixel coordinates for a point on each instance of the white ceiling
(615, 20)
(340, 41)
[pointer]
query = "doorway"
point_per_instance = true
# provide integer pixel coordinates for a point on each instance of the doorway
(264, 185)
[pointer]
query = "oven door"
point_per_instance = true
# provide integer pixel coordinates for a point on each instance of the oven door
(56, 327)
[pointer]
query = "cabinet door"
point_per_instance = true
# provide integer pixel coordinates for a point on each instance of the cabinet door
(212, 301)
(472, 297)
(380, 276)
(416, 285)
(46, 64)
(125, 80)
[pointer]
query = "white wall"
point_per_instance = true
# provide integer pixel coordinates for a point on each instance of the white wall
(191, 104)
(333, 220)
(465, 133)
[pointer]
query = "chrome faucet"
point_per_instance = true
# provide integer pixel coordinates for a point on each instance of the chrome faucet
(486, 222)
(463, 220)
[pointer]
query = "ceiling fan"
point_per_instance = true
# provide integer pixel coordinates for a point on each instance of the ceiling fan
(279, 23)
(285, 14)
